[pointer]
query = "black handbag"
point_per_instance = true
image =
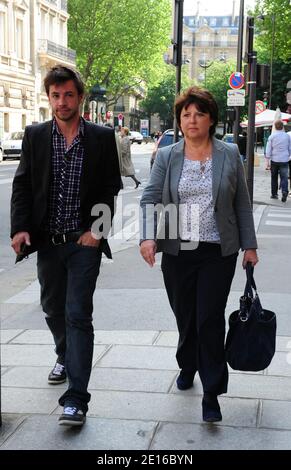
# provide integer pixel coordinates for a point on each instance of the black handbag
(251, 338)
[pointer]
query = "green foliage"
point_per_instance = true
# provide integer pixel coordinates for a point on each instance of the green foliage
(160, 98)
(217, 77)
(277, 20)
(119, 44)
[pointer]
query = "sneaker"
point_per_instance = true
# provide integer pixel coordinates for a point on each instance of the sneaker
(274, 196)
(57, 375)
(284, 197)
(72, 416)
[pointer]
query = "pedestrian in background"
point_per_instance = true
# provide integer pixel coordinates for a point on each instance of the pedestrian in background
(67, 166)
(199, 171)
(278, 151)
(127, 168)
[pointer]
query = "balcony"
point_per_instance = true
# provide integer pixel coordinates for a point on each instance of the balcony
(51, 49)
(204, 43)
(225, 44)
(119, 108)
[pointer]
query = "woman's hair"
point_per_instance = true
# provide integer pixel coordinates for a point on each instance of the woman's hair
(126, 130)
(61, 74)
(203, 100)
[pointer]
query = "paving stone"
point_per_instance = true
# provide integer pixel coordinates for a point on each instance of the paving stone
(283, 343)
(101, 337)
(23, 400)
(167, 338)
(140, 357)
(30, 377)
(44, 433)
(8, 335)
(213, 437)
(9, 424)
(35, 355)
(276, 414)
(3, 370)
(281, 364)
(181, 408)
(125, 337)
(131, 379)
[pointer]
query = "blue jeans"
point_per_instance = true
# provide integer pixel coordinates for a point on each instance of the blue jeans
(67, 275)
(282, 169)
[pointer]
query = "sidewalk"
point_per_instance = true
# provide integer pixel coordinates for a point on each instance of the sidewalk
(135, 403)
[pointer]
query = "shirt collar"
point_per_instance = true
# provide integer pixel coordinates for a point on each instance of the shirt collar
(55, 127)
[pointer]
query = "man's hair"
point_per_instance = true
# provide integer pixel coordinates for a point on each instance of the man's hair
(202, 99)
(61, 74)
(278, 125)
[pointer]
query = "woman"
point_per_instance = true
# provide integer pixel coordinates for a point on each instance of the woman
(199, 176)
(127, 168)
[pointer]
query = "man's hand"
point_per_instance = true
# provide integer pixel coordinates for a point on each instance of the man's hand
(18, 240)
(148, 250)
(250, 256)
(86, 239)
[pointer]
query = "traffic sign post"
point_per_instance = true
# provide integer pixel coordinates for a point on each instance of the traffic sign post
(260, 106)
(236, 80)
(235, 97)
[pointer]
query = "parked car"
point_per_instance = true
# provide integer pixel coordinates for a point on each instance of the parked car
(135, 136)
(167, 138)
(11, 146)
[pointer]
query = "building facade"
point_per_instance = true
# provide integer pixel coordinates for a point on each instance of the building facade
(33, 37)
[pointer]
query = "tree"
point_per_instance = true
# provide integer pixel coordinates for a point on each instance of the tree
(217, 83)
(119, 44)
(160, 98)
(277, 19)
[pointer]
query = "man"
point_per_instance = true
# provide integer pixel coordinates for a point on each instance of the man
(278, 151)
(67, 166)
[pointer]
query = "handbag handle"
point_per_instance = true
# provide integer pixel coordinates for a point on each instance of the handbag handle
(250, 283)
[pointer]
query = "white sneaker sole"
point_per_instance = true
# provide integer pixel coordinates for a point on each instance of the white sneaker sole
(69, 422)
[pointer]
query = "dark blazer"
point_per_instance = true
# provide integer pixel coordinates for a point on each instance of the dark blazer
(232, 208)
(100, 179)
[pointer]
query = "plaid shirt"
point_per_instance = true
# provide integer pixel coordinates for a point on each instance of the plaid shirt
(64, 198)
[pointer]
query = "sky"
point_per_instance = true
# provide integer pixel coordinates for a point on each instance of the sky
(213, 7)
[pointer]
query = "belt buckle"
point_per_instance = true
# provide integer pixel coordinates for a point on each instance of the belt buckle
(63, 235)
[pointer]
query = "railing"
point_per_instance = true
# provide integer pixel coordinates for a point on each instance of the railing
(56, 50)
(204, 43)
(118, 108)
(225, 44)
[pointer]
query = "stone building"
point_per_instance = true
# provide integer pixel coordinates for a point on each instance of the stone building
(33, 37)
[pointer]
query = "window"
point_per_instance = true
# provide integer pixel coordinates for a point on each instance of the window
(225, 22)
(6, 122)
(212, 21)
(3, 35)
(51, 27)
(23, 121)
(42, 25)
(19, 38)
(204, 37)
(223, 39)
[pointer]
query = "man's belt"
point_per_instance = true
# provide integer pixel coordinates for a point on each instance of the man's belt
(62, 238)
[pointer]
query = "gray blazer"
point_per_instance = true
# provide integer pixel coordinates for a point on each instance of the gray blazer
(232, 207)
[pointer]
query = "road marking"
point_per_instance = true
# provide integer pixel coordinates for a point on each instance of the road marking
(284, 216)
(6, 181)
(278, 224)
(258, 213)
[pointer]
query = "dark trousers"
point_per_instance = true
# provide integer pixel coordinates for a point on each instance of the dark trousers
(198, 283)
(67, 275)
(282, 170)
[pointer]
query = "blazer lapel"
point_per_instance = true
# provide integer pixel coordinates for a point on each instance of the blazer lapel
(44, 153)
(91, 155)
(218, 158)
(176, 166)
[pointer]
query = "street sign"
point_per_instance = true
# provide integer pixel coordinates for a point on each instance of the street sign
(260, 106)
(236, 80)
(236, 97)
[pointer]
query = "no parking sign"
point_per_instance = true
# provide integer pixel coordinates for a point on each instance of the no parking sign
(236, 80)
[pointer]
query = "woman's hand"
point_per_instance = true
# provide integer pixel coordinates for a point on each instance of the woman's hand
(148, 250)
(251, 257)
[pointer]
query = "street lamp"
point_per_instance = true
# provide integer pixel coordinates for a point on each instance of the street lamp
(205, 65)
(262, 17)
